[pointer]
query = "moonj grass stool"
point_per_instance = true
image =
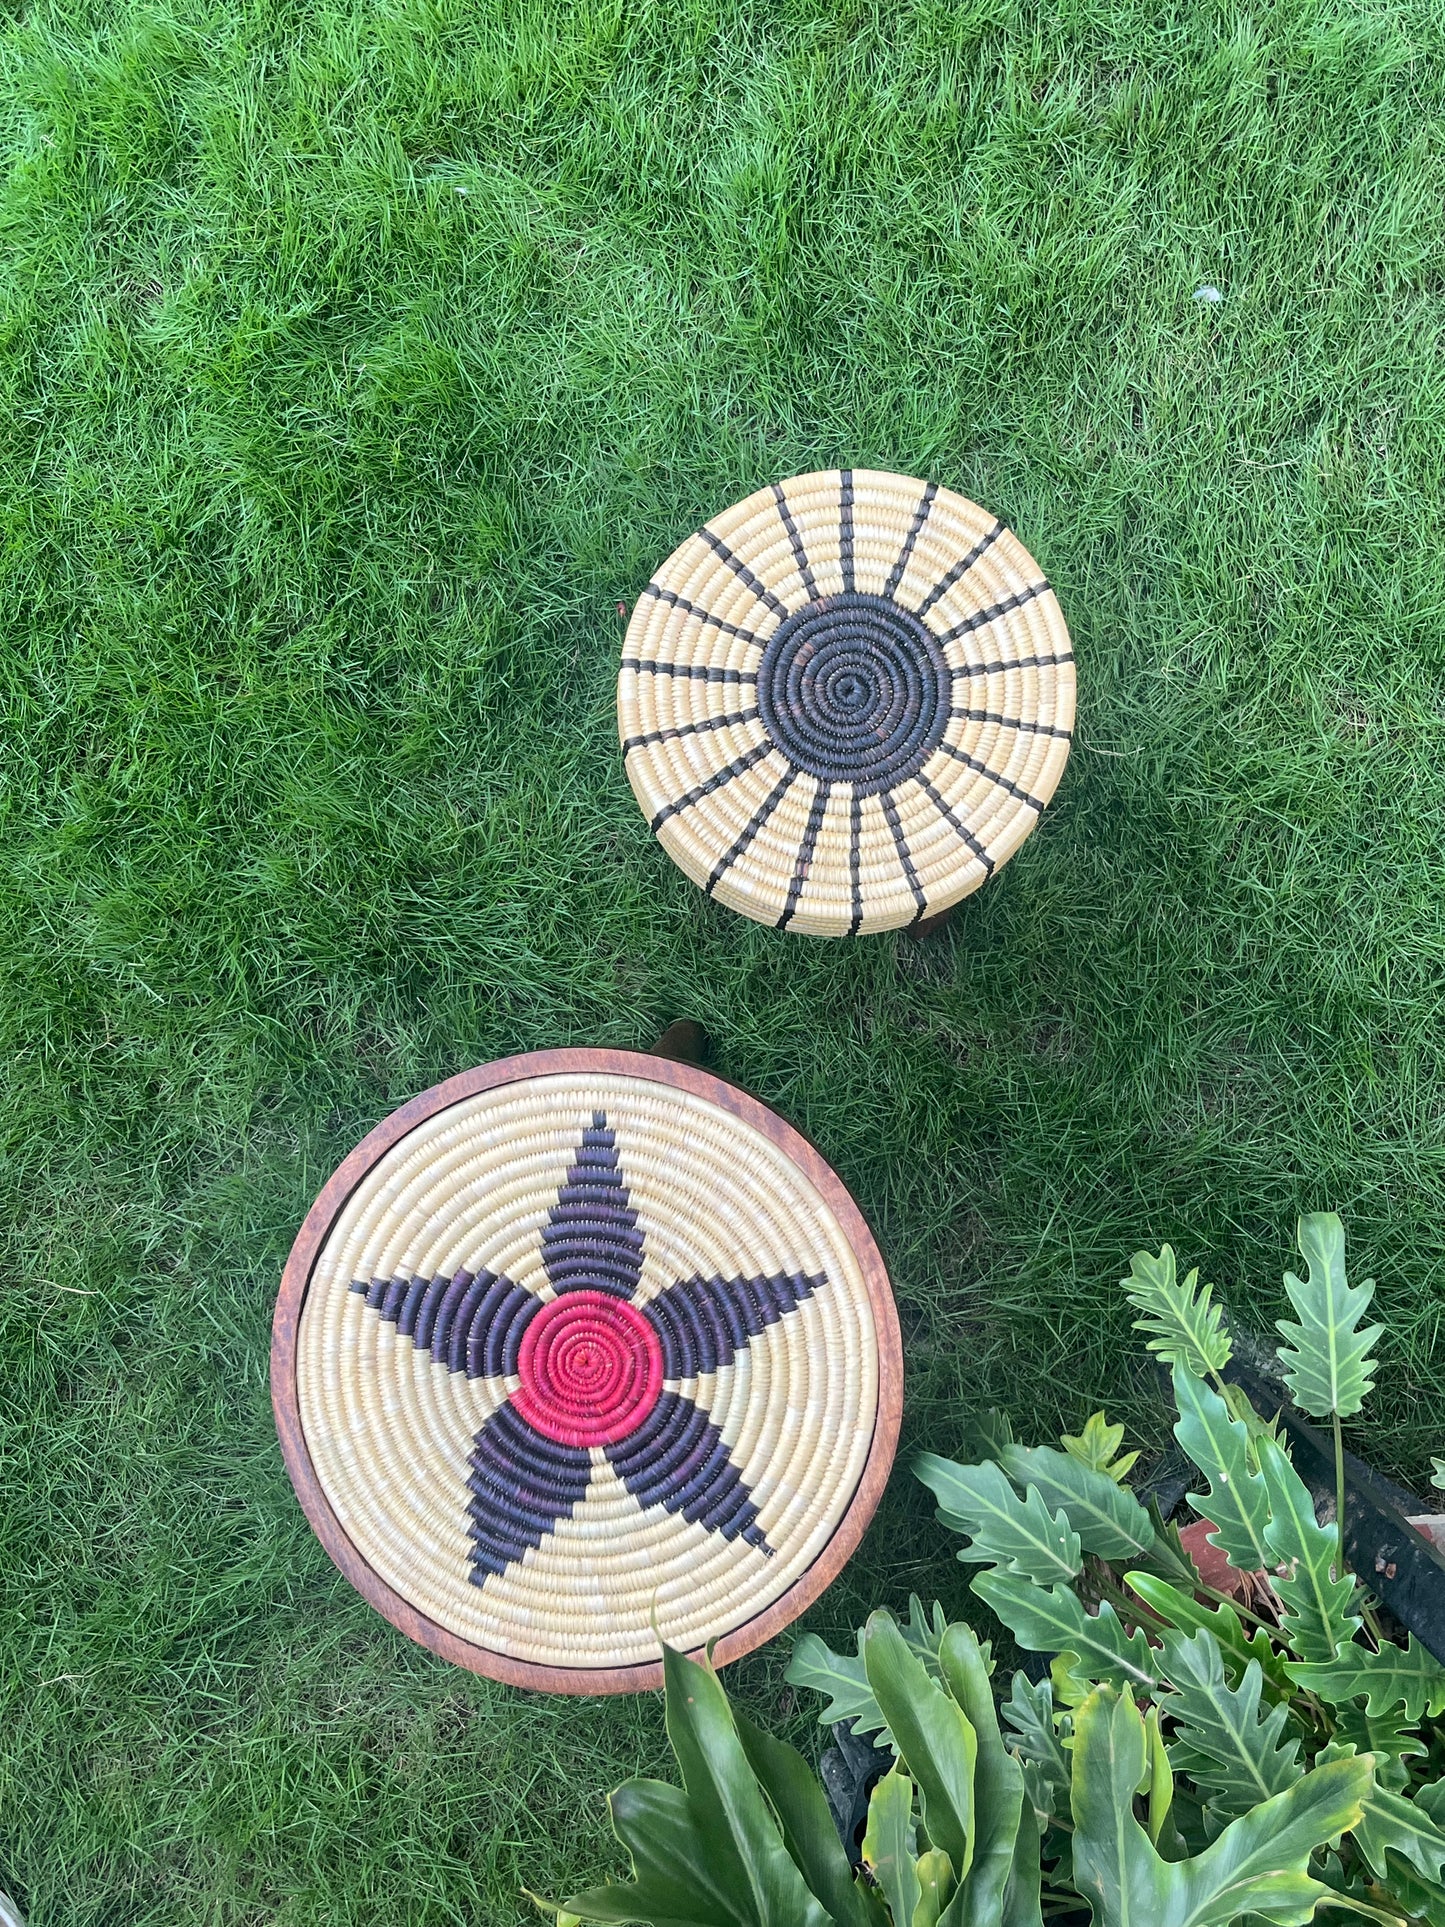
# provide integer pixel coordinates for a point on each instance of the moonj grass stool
(846, 701)
(583, 1350)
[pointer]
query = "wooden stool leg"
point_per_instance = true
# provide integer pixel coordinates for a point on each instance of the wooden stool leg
(684, 1040)
(918, 931)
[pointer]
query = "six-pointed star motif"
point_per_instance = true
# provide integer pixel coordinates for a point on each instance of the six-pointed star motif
(588, 1374)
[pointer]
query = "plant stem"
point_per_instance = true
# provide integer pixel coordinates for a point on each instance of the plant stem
(1135, 1608)
(1339, 1496)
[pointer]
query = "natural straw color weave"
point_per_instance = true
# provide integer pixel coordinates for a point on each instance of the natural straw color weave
(583, 1354)
(845, 702)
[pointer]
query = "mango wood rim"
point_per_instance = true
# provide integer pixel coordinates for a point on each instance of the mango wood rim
(296, 1279)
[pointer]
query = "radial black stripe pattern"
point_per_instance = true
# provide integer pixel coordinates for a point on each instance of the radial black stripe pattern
(857, 690)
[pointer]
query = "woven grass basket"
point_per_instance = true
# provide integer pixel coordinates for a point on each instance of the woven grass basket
(580, 1349)
(845, 702)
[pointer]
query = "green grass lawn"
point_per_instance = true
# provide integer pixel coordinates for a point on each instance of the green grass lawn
(358, 357)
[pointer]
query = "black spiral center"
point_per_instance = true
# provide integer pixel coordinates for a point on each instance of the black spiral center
(854, 689)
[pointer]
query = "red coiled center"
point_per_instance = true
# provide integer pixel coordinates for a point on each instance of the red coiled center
(591, 1369)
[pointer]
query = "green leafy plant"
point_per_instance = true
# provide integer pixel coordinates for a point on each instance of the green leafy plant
(1325, 1357)
(748, 1841)
(1240, 1697)
(1193, 1758)
(955, 1827)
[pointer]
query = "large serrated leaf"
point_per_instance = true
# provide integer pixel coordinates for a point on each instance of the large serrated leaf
(1029, 1712)
(1018, 1534)
(1108, 1519)
(1351, 1895)
(1317, 1617)
(844, 1680)
(1393, 1824)
(1180, 1324)
(1222, 1624)
(1422, 1900)
(1235, 1757)
(1407, 1677)
(1238, 1499)
(1259, 1865)
(1052, 1620)
(1326, 1362)
(1389, 1736)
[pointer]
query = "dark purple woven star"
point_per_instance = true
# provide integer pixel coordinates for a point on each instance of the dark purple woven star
(593, 1370)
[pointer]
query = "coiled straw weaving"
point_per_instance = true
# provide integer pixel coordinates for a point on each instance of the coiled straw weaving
(580, 1350)
(845, 702)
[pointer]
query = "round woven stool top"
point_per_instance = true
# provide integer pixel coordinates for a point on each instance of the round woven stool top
(845, 702)
(582, 1350)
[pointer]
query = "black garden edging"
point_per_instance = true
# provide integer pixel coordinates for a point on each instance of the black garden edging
(850, 1769)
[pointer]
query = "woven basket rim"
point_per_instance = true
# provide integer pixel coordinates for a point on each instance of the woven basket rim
(306, 1250)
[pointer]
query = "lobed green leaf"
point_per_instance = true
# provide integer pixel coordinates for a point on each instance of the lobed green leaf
(1180, 1324)
(1325, 1358)
(1391, 1824)
(1390, 1737)
(1317, 1617)
(844, 1681)
(1096, 1447)
(1406, 1676)
(1029, 1711)
(1259, 1865)
(1017, 1534)
(1237, 1500)
(1235, 1755)
(1052, 1620)
(1108, 1519)
(1223, 1625)
(1423, 1900)
(986, 1433)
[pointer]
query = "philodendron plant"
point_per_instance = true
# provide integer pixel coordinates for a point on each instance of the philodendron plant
(1241, 1697)
(1195, 1757)
(954, 1827)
